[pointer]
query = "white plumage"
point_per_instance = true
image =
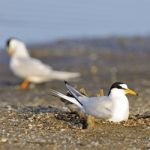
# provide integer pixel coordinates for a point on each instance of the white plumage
(114, 107)
(32, 69)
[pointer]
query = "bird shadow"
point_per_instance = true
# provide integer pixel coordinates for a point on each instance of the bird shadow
(9, 83)
(73, 118)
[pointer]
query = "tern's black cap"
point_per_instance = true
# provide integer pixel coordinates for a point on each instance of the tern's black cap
(115, 85)
(8, 42)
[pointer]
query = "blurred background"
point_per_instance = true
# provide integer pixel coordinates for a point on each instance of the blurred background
(103, 40)
(44, 21)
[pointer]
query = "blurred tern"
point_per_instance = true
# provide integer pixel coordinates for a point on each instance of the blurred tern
(31, 69)
(113, 107)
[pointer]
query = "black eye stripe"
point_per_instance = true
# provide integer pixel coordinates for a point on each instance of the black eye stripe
(116, 85)
(119, 87)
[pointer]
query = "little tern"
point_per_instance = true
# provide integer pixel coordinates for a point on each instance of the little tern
(113, 107)
(31, 69)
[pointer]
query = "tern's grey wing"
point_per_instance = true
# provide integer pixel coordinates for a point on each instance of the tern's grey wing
(31, 67)
(73, 91)
(100, 107)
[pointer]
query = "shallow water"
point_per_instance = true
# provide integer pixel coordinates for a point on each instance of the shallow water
(30, 120)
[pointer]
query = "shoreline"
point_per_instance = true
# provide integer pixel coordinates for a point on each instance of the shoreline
(26, 116)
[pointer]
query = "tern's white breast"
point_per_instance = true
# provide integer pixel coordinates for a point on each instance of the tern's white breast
(120, 110)
(14, 66)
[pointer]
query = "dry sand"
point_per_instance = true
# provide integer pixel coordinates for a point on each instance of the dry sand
(33, 119)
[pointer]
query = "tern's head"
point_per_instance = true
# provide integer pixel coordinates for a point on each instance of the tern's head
(16, 47)
(119, 88)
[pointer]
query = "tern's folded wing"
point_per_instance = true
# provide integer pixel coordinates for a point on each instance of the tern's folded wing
(31, 67)
(98, 106)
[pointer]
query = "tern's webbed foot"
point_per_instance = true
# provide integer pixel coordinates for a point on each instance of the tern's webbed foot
(25, 84)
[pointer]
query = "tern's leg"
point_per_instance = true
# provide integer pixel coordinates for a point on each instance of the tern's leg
(25, 84)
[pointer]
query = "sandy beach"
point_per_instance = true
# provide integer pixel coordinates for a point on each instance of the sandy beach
(33, 119)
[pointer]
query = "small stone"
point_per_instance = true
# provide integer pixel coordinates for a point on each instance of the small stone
(3, 140)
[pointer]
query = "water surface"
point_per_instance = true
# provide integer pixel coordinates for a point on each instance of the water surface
(39, 21)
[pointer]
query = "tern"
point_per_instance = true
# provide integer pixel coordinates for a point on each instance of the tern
(31, 69)
(113, 107)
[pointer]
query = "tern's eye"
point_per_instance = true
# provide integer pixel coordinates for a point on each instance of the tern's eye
(120, 87)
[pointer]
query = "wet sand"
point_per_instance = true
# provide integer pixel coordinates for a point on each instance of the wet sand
(33, 119)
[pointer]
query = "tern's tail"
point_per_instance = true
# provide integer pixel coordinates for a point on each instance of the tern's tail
(70, 99)
(61, 75)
